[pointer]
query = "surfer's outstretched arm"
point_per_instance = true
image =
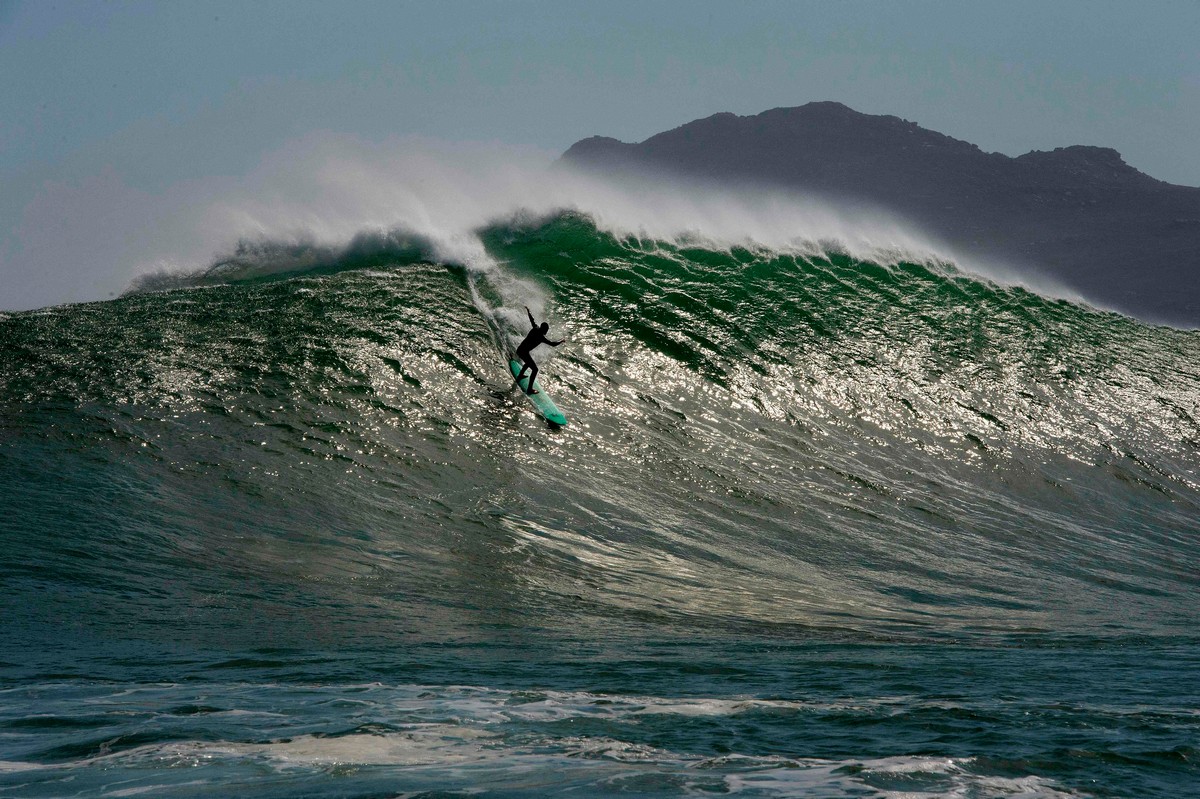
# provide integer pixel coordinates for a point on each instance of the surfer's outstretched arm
(529, 313)
(555, 343)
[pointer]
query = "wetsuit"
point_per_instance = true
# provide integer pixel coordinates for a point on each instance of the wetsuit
(534, 338)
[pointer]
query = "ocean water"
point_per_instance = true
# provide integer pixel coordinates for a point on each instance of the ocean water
(820, 525)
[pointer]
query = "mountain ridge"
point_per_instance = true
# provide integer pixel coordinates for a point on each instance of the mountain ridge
(1079, 214)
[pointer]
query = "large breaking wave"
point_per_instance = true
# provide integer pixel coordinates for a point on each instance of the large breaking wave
(836, 513)
(760, 434)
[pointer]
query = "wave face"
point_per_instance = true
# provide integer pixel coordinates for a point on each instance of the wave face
(819, 526)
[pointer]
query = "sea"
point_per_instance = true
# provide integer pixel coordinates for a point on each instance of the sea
(821, 524)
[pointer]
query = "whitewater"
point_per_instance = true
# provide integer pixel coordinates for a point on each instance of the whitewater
(838, 513)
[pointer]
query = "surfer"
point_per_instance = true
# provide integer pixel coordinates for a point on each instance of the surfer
(536, 336)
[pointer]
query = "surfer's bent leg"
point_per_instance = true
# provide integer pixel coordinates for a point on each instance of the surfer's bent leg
(526, 362)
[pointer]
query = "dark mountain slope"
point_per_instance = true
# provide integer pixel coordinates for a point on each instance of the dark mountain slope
(1079, 214)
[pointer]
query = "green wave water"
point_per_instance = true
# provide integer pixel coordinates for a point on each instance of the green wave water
(820, 526)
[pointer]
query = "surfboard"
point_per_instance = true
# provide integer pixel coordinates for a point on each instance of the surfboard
(540, 400)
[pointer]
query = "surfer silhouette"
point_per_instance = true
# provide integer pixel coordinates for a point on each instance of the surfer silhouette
(535, 337)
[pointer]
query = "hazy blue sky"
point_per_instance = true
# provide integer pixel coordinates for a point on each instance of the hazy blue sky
(151, 95)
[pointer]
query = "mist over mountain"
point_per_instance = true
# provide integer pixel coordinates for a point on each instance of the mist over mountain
(1079, 215)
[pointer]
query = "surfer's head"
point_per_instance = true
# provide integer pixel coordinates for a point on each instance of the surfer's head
(544, 327)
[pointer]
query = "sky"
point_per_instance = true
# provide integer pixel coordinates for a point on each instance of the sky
(123, 123)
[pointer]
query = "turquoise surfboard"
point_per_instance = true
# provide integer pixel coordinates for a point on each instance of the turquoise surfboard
(540, 400)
